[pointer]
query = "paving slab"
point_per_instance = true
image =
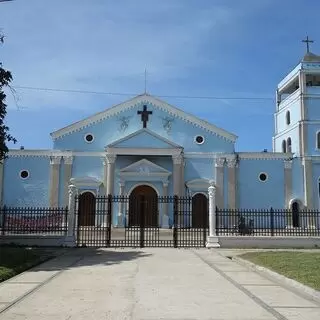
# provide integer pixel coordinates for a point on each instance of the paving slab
(161, 283)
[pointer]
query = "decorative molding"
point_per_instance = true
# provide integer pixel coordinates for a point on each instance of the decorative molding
(144, 167)
(232, 162)
(72, 190)
(287, 164)
(264, 156)
(199, 184)
(110, 158)
(86, 182)
(68, 160)
(124, 123)
(144, 99)
(177, 158)
(167, 124)
(212, 191)
(55, 160)
(219, 162)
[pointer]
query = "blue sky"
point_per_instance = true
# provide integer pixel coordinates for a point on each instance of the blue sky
(226, 49)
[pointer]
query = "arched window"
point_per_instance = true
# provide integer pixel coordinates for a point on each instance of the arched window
(288, 117)
(289, 145)
(284, 146)
(318, 139)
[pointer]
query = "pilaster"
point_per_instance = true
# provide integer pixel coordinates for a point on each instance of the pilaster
(219, 167)
(177, 163)
(287, 182)
(54, 181)
(307, 175)
(232, 165)
(68, 161)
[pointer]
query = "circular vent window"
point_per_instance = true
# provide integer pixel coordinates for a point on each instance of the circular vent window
(263, 177)
(199, 139)
(24, 174)
(89, 137)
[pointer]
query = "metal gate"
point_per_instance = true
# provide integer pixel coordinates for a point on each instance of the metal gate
(139, 221)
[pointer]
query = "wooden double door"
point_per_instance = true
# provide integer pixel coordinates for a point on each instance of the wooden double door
(143, 207)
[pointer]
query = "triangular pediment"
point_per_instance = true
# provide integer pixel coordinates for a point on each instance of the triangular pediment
(144, 138)
(146, 167)
(157, 103)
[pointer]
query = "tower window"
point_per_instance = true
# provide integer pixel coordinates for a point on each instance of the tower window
(289, 145)
(318, 140)
(288, 117)
(284, 146)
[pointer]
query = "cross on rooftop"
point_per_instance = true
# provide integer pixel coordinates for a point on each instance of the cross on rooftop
(307, 41)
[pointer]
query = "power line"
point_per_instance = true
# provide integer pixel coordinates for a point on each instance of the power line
(135, 94)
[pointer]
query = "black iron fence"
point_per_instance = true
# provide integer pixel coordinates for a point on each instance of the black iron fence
(267, 222)
(123, 221)
(31, 220)
(140, 221)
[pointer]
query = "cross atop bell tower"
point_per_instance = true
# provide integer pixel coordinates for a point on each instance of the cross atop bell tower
(307, 41)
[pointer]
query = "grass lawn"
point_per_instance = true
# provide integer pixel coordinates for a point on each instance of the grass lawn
(14, 260)
(300, 266)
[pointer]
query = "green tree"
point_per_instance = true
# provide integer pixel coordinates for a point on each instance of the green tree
(5, 136)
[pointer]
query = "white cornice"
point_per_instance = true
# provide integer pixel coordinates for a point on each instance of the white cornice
(38, 153)
(129, 104)
(264, 156)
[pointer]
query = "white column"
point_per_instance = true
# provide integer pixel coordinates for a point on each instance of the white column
(121, 212)
(54, 181)
(66, 177)
(110, 158)
(212, 240)
(70, 240)
(165, 217)
(177, 162)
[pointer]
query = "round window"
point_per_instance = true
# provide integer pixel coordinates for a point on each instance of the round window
(24, 174)
(263, 177)
(199, 139)
(89, 137)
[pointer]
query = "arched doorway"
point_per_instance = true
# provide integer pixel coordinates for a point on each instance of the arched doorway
(200, 213)
(295, 214)
(87, 209)
(143, 207)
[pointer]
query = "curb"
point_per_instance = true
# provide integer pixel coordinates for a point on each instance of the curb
(292, 284)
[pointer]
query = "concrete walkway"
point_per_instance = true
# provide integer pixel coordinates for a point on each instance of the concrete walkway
(148, 284)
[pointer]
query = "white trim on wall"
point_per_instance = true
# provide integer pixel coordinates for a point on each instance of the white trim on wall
(138, 184)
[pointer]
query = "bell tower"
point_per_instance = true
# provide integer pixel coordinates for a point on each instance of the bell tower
(297, 122)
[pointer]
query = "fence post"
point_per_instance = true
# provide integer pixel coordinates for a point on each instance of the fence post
(272, 221)
(70, 240)
(109, 217)
(212, 239)
(175, 221)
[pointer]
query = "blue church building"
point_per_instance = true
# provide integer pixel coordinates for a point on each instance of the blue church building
(147, 146)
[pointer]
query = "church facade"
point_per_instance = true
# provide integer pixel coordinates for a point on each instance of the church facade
(145, 145)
